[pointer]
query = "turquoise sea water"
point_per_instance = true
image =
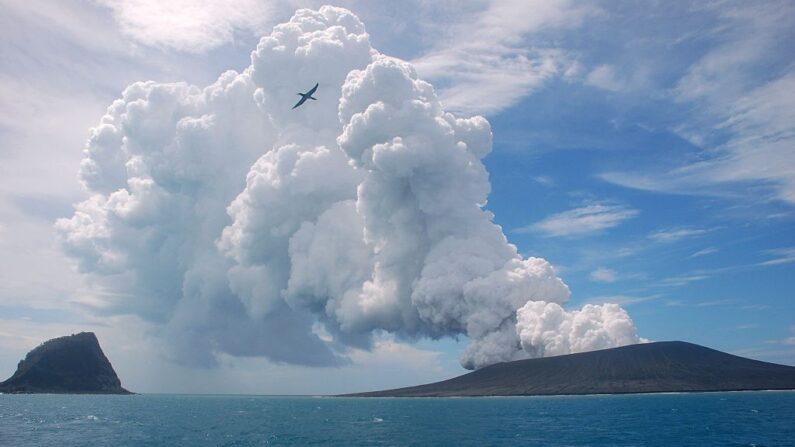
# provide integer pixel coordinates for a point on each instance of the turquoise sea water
(709, 419)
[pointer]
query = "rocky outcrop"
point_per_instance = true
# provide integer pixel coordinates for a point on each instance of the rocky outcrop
(71, 364)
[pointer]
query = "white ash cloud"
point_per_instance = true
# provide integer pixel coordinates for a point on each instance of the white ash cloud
(239, 225)
(546, 329)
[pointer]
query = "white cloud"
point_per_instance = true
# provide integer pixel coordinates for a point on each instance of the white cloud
(486, 64)
(683, 280)
(603, 274)
(621, 300)
(547, 329)
(755, 307)
(704, 252)
(712, 303)
(782, 256)
(604, 77)
(188, 25)
(581, 221)
(675, 234)
(544, 180)
(162, 167)
(74, 22)
(742, 122)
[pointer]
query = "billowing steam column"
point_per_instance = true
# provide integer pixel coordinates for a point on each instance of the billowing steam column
(240, 226)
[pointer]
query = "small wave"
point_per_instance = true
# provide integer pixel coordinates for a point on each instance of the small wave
(91, 417)
(377, 420)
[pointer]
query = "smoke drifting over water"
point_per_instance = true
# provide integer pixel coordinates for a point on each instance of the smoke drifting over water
(238, 225)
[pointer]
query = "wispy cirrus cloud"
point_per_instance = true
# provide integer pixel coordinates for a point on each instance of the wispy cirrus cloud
(186, 25)
(683, 280)
(704, 252)
(742, 123)
(581, 221)
(605, 77)
(675, 234)
(755, 307)
(603, 274)
(712, 303)
(490, 62)
(780, 256)
(484, 56)
(622, 300)
(703, 303)
(544, 180)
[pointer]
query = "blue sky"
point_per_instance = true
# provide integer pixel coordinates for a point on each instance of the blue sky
(704, 261)
(646, 150)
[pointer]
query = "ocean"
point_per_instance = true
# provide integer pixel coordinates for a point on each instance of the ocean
(705, 419)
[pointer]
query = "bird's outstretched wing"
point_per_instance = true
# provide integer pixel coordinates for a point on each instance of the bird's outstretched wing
(307, 95)
(301, 101)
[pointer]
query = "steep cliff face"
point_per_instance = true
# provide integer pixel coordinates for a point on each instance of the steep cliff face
(643, 368)
(71, 364)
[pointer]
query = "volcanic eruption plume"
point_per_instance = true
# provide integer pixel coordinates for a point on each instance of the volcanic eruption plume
(238, 225)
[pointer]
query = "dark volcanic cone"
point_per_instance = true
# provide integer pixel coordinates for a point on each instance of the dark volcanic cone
(672, 366)
(71, 364)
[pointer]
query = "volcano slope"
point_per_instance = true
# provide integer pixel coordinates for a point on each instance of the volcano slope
(672, 366)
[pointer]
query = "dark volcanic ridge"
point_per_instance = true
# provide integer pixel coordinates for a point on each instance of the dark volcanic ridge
(672, 366)
(71, 364)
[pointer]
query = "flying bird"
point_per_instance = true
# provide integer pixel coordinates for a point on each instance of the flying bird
(305, 96)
